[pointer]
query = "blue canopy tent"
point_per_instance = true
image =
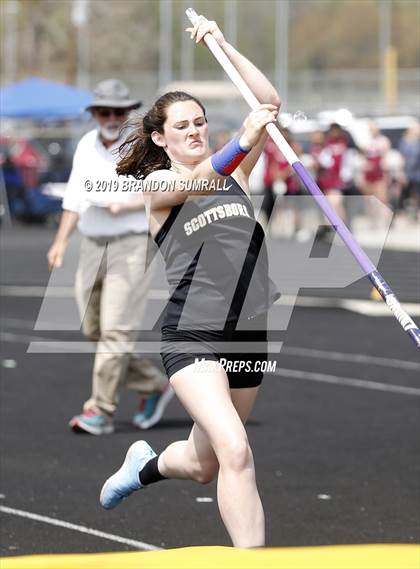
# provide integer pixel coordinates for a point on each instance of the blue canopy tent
(39, 99)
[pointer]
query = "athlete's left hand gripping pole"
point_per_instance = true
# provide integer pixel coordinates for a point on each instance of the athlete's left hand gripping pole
(340, 227)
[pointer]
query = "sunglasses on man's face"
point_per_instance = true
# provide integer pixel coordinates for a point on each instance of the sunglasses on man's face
(107, 112)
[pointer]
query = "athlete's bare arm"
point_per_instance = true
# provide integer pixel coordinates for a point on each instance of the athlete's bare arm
(262, 88)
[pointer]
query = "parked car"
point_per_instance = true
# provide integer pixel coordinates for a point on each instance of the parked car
(391, 126)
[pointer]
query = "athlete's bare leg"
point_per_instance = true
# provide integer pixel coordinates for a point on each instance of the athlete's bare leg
(335, 197)
(378, 215)
(218, 445)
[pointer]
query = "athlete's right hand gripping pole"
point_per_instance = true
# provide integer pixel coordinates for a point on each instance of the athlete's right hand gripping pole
(340, 227)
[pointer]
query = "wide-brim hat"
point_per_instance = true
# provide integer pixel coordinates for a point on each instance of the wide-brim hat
(113, 93)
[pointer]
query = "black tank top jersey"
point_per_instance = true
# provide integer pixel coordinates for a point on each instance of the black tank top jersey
(216, 261)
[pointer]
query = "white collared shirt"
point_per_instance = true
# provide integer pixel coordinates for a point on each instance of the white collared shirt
(91, 188)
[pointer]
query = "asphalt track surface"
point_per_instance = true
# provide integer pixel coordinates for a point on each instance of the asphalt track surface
(337, 462)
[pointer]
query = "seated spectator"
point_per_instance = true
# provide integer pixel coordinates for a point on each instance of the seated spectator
(15, 189)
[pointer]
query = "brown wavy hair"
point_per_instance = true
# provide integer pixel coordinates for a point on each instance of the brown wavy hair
(140, 155)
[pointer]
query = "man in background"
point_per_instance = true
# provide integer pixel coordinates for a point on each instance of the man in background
(111, 284)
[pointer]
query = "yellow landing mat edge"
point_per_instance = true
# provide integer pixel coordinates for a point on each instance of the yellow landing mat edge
(376, 556)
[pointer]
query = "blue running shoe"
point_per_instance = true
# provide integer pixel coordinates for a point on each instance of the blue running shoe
(92, 422)
(126, 480)
(151, 410)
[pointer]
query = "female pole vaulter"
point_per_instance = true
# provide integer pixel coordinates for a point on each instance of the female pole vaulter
(209, 239)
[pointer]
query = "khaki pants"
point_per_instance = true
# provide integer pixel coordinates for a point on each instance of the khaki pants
(111, 291)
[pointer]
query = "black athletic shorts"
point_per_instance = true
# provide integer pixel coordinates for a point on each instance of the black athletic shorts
(181, 348)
